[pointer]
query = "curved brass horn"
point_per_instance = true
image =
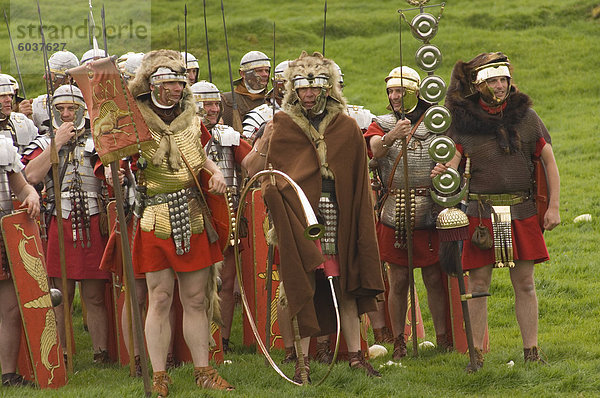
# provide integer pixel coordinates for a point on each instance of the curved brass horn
(313, 231)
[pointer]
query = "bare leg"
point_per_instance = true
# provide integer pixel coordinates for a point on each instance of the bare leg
(60, 318)
(377, 318)
(397, 297)
(228, 278)
(192, 292)
(436, 297)
(158, 329)
(526, 305)
(350, 321)
(10, 327)
(92, 291)
(141, 291)
(479, 281)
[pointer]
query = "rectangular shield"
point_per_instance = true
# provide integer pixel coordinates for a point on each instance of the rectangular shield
(254, 259)
(28, 268)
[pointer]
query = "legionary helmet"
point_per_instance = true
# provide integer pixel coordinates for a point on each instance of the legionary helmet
(132, 64)
(68, 94)
(280, 68)
(156, 67)
(404, 76)
(61, 61)
(490, 70)
(205, 92)
(341, 81)
(122, 59)
(192, 62)
(467, 77)
(165, 75)
(254, 59)
(8, 85)
(91, 55)
(313, 71)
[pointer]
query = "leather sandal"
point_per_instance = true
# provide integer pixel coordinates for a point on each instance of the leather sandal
(15, 380)
(533, 355)
(290, 355)
(383, 335)
(357, 360)
(323, 353)
(474, 367)
(298, 373)
(160, 383)
(207, 377)
(399, 347)
(443, 343)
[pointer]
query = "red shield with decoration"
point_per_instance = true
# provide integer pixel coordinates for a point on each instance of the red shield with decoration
(28, 268)
(254, 274)
(118, 127)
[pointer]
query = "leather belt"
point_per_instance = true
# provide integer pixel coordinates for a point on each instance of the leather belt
(499, 199)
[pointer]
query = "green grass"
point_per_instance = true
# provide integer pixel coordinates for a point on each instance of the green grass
(553, 46)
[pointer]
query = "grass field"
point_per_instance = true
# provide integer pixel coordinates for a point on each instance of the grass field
(554, 48)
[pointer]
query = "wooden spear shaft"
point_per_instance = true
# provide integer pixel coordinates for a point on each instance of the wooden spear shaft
(129, 280)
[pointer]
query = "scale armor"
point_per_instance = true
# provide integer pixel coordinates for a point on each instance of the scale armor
(420, 165)
(170, 207)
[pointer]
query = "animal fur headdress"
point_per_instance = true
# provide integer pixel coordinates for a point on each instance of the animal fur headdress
(140, 86)
(462, 99)
(464, 73)
(151, 61)
(308, 66)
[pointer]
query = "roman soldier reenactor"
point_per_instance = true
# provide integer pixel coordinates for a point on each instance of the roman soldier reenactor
(494, 125)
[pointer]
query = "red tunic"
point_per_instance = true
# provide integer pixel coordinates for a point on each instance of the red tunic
(528, 241)
(154, 254)
(425, 247)
(81, 262)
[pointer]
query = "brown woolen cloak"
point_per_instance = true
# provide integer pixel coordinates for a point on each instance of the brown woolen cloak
(294, 153)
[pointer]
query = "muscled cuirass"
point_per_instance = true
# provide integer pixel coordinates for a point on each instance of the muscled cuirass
(171, 204)
(419, 169)
(80, 187)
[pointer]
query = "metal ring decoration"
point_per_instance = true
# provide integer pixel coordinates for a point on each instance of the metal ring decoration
(442, 149)
(428, 57)
(424, 27)
(433, 89)
(447, 182)
(453, 200)
(437, 119)
(310, 233)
